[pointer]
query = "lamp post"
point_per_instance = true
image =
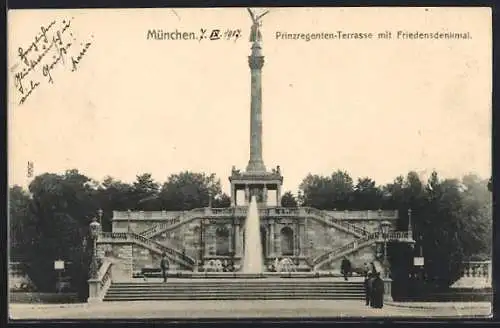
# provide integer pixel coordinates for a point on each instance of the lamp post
(100, 212)
(410, 229)
(384, 227)
(94, 233)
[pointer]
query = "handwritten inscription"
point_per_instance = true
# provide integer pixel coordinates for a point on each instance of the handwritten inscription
(54, 47)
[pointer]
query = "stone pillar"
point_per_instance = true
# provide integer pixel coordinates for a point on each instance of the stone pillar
(264, 195)
(388, 289)
(231, 233)
(202, 240)
(271, 239)
(237, 239)
(247, 195)
(303, 239)
(241, 240)
(207, 240)
(256, 62)
(278, 195)
(233, 195)
(277, 240)
(94, 291)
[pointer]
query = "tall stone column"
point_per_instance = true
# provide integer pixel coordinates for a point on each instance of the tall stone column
(278, 195)
(256, 62)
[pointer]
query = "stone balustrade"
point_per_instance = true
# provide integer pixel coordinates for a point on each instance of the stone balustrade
(242, 211)
(99, 286)
(150, 215)
(112, 237)
(364, 215)
(477, 269)
(358, 243)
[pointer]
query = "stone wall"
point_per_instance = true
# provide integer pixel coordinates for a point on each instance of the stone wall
(322, 238)
(357, 258)
(122, 258)
(183, 238)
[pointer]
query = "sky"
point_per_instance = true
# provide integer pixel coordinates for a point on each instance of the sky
(376, 108)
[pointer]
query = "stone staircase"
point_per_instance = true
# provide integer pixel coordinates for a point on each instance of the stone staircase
(236, 289)
(186, 262)
(354, 246)
(319, 215)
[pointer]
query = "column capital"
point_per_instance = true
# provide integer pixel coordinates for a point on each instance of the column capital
(256, 62)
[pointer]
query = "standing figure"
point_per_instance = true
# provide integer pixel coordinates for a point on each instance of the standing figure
(164, 266)
(377, 293)
(366, 283)
(345, 267)
(255, 35)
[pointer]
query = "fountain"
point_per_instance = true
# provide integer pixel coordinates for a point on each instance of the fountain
(252, 260)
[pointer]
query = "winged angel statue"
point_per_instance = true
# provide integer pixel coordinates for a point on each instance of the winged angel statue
(255, 35)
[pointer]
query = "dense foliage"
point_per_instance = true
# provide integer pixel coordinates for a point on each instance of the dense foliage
(451, 218)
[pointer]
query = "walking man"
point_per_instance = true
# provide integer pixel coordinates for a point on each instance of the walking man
(164, 266)
(345, 268)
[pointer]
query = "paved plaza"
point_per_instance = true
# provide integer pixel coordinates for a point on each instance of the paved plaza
(245, 309)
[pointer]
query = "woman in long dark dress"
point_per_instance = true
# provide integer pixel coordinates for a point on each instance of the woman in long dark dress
(377, 292)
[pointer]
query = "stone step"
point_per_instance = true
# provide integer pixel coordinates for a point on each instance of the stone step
(167, 297)
(222, 291)
(159, 285)
(233, 288)
(242, 283)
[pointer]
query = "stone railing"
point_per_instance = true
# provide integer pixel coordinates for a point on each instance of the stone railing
(158, 228)
(179, 218)
(149, 243)
(477, 269)
(356, 244)
(99, 286)
(349, 227)
(145, 215)
(364, 215)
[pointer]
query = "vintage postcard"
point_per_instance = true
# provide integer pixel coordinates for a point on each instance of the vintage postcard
(250, 163)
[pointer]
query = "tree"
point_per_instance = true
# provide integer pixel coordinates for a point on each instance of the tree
(22, 229)
(114, 195)
(146, 193)
(334, 192)
(366, 195)
(342, 189)
(288, 200)
(476, 218)
(221, 201)
(188, 190)
(62, 206)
